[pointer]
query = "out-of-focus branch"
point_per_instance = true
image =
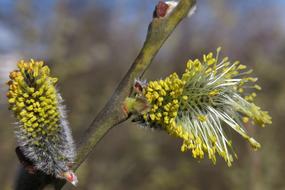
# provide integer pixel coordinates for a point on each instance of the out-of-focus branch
(112, 114)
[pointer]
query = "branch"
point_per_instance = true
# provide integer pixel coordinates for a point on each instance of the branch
(112, 114)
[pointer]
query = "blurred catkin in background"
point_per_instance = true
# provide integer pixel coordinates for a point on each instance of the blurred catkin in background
(82, 42)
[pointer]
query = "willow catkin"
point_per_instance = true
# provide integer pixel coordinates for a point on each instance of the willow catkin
(42, 131)
(212, 96)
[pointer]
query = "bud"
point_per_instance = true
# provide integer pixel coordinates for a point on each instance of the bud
(164, 9)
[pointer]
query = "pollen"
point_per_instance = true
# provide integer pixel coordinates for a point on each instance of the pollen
(30, 80)
(202, 118)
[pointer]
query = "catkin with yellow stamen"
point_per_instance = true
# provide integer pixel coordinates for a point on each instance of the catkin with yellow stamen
(210, 95)
(42, 131)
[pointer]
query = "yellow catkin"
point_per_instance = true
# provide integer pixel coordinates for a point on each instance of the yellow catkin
(171, 99)
(33, 98)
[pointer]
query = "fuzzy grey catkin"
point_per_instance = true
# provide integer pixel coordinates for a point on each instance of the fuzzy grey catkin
(42, 130)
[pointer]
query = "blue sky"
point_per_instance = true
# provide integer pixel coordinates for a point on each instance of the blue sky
(7, 38)
(7, 7)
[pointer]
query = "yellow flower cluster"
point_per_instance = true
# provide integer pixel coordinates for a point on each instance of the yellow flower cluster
(194, 107)
(164, 96)
(33, 98)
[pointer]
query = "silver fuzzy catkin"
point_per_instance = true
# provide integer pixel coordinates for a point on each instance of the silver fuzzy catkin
(42, 130)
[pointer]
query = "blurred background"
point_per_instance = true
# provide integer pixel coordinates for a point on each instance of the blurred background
(90, 44)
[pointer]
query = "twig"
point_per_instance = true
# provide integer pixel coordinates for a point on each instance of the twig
(112, 114)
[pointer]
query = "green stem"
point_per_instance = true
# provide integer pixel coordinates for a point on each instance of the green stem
(112, 114)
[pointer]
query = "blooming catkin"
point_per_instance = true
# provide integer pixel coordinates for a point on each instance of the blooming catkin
(210, 96)
(42, 131)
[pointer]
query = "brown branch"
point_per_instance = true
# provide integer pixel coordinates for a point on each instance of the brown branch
(112, 114)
